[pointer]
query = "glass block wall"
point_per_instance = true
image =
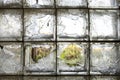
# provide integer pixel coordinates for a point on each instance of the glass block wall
(60, 37)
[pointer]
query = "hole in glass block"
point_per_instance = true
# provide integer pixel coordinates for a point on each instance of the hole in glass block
(72, 24)
(104, 24)
(103, 3)
(40, 57)
(10, 25)
(71, 3)
(39, 3)
(104, 58)
(71, 58)
(39, 24)
(10, 58)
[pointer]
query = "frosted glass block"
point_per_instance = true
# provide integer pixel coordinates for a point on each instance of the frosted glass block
(39, 25)
(10, 25)
(71, 3)
(71, 78)
(11, 3)
(104, 58)
(40, 58)
(39, 78)
(104, 24)
(72, 24)
(10, 58)
(71, 58)
(105, 78)
(103, 3)
(39, 3)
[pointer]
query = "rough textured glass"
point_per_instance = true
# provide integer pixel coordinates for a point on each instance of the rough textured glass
(104, 58)
(39, 78)
(10, 24)
(64, 65)
(10, 58)
(105, 78)
(39, 24)
(71, 3)
(70, 78)
(104, 24)
(11, 3)
(72, 24)
(40, 58)
(39, 3)
(103, 3)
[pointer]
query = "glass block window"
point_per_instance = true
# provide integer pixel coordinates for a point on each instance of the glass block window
(60, 37)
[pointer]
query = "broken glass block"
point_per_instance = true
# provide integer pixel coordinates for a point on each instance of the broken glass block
(40, 58)
(72, 58)
(72, 24)
(11, 3)
(71, 3)
(105, 78)
(39, 24)
(39, 3)
(104, 24)
(71, 78)
(104, 58)
(39, 78)
(10, 58)
(10, 24)
(103, 3)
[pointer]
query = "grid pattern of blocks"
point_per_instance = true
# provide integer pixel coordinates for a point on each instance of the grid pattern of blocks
(60, 37)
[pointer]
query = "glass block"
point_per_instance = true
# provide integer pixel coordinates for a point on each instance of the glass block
(104, 58)
(39, 24)
(104, 24)
(10, 25)
(72, 58)
(40, 58)
(103, 3)
(72, 24)
(10, 78)
(10, 58)
(39, 78)
(71, 78)
(105, 78)
(11, 3)
(39, 3)
(71, 3)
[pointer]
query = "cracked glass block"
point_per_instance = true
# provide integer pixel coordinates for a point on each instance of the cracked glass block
(10, 58)
(104, 58)
(72, 58)
(39, 3)
(71, 78)
(71, 3)
(104, 24)
(103, 3)
(39, 24)
(72, 24)
(105, 78)
(40, 58)
(39, 78)
(11, 3)
(10, 25)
